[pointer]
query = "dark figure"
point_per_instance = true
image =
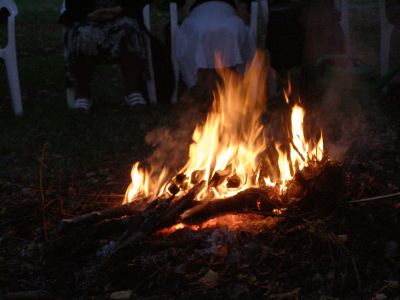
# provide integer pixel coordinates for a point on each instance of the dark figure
(323, 33)
(286, 35)
(299, 33)
(110, 31)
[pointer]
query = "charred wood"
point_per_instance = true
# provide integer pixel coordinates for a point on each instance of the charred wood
(97, 216)
(254, 200)
(154, 219)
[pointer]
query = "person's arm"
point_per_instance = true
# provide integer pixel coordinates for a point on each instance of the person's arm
(105, 14)
(128, 8)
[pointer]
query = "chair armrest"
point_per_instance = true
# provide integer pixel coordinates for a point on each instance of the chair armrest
(146, 17)
(10, 6)
(13, 10)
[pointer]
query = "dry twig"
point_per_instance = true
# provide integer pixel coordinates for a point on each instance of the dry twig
(383, 197)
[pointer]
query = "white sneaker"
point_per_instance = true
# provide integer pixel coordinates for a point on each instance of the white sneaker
(82, 104)
(135, 99)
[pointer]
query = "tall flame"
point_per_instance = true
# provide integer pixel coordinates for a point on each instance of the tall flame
(227, 150)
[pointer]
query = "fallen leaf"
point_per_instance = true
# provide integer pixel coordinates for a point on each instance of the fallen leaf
(210, 279)
(122, 295)
(294, 294)
(180, 269)
(380, 297)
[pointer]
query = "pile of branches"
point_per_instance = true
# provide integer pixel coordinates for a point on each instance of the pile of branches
(316, 187)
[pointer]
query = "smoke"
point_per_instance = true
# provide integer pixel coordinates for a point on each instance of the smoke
(341, 73)
(171, 144)
(342, 115)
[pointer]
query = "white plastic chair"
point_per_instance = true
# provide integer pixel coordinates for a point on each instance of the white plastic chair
(174, 29)
(150, 84)
(386, 32)
(343, 7)
(9, 54)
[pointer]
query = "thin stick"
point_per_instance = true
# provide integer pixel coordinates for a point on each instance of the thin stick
(41, 172)
(375, 198)
(356, 272)
(298, 151)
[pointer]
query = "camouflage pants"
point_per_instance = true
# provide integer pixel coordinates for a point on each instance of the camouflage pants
(105, 42)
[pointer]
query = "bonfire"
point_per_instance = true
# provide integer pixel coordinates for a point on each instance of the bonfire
(233, 171)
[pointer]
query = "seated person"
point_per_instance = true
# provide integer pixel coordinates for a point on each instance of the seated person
(323, 32)
(210, 28)
(299, 33)
(104, 31)
(323, 36)
(285, 34)
(393, 15)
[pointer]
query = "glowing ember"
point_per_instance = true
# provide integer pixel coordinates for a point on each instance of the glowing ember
(228, 149)
(177, 227)
(234, 222)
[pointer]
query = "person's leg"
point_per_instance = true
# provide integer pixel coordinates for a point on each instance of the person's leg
(83, 71)
(132, 69)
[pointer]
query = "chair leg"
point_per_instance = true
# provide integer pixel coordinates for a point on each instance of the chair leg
(151, 83)
(174, 31)
(13, 80)
(151, 90)
(174, 97)
(70, 93)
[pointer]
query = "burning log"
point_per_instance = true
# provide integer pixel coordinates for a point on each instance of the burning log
(196, 175)
(220, 176)
(254, 200)
(323, 188)
(233, 182)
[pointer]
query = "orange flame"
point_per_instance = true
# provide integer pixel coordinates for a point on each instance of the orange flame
(230, 145)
